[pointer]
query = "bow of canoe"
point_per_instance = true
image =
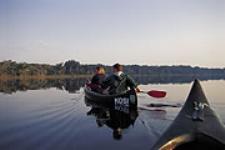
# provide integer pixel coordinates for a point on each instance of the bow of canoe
(196, 127)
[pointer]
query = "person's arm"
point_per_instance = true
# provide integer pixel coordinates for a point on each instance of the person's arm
(106, 82)
(95, 79)
(132, 83)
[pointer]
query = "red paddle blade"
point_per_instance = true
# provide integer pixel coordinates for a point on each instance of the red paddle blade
(157, 94)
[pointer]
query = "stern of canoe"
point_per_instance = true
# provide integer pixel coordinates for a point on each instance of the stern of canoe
(128, 99)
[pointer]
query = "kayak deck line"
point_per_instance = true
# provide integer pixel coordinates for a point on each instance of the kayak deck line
(196, 126)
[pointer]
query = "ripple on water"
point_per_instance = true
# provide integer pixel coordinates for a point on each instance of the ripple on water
(40, 127)
(54, 119)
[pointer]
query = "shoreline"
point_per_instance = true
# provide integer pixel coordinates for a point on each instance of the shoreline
(81, 76)
(43, 77)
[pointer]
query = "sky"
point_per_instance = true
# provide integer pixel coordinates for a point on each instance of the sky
(144, 32)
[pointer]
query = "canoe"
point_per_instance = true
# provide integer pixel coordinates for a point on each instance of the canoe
(127, 99)
(98, 106)
(196, 127)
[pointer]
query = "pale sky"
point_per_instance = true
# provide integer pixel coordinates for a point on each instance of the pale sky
(152, 32)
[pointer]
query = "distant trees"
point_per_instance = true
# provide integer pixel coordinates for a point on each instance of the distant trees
(21, 69)
(72, 67)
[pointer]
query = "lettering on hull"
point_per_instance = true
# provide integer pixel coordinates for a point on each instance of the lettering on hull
(122, 101)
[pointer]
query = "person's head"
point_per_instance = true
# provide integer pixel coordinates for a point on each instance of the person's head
(100, 70)
(117, 134)
(117, 67)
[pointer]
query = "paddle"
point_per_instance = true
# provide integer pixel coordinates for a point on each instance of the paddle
(155, 93)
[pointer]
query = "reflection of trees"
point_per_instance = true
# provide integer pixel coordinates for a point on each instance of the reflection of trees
(70, 85)
(175, 79)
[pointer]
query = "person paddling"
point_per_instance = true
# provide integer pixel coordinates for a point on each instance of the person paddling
(119, 82)
(97, 79)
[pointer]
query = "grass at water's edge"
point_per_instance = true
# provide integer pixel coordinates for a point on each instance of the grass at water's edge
(44, 77)
(77, 76)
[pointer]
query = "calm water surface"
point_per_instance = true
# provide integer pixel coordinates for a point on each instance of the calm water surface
(53, 115)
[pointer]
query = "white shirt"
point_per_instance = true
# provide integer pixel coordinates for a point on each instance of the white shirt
(118, 73)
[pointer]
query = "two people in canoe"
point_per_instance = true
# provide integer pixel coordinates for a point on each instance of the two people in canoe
(116, 83)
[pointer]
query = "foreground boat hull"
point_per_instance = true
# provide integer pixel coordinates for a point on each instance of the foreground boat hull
(196, 126)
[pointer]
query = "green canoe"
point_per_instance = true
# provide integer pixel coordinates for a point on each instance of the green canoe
(196, 126)
(127, 99)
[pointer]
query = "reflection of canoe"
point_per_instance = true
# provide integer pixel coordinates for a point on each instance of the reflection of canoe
(163, 105)
(116, 118)
(195, 127)
(128, 99)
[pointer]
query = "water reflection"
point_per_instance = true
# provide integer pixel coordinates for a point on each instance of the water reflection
(165, 79)
(53, 119)
(72, 85)
(118, 119)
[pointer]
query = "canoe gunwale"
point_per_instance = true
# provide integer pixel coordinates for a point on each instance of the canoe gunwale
(189, 138)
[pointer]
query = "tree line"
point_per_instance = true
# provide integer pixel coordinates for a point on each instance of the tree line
(73, 67)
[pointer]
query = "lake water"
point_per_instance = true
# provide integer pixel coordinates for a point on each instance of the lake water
(53, 115)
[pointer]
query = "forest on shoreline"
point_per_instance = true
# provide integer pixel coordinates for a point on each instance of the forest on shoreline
(73, 69)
